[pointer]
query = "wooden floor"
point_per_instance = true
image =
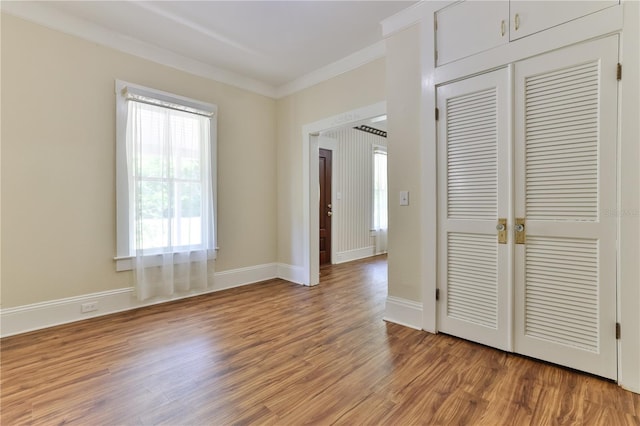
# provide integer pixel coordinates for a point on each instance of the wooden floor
(280, 353)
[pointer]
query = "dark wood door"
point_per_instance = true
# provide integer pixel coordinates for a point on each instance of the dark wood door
(325, 206)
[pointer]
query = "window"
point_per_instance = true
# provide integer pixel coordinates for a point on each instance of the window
(380, 210)
(166, 147)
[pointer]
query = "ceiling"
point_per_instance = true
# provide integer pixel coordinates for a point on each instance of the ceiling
(277, 46)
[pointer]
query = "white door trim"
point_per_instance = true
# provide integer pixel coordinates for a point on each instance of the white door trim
(310, 219)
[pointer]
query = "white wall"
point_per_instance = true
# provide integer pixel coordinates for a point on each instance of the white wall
(353, 193)
(355, 89)
(405, 165)
(629, 214)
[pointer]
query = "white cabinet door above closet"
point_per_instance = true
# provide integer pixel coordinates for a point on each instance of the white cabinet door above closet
(532, 16)
(469, 27)
(565, 169)
(473, 176)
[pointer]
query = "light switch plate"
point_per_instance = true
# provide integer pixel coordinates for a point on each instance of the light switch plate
(404, 198)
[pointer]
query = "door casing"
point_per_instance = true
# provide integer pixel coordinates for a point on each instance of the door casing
(310, 274)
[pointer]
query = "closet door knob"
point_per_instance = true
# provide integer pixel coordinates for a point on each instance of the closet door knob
(502, 28)
(516, 22)
(501, 227)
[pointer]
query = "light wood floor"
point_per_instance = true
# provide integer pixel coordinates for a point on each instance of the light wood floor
(279, 353)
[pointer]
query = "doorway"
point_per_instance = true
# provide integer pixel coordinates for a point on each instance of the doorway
(311, 184)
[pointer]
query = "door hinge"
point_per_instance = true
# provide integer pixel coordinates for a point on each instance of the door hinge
(437, 114)
(436, 55)
(617, 330)
(619, 72)
(435, 24)
(437, 294)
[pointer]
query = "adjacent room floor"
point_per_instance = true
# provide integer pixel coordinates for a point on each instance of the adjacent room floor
(280, 353)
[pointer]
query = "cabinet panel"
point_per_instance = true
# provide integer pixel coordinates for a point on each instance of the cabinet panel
(529, 17)
(469, 27)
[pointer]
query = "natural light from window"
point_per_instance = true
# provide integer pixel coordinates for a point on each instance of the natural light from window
(167, 151)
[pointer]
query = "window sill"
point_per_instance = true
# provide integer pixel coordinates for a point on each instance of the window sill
(124, 263)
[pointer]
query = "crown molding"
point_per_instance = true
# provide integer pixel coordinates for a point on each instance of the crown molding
(348, 63)
(44, 15)
(405, 18)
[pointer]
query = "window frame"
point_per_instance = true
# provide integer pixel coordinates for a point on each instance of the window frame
(125, 252)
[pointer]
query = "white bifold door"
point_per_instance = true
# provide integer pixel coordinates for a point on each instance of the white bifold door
(545, 286)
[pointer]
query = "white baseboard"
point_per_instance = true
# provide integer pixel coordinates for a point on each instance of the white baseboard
(361, 253)
(404, 312)
(36, 316)
(243, 276)
(295, 274)
(633, 389)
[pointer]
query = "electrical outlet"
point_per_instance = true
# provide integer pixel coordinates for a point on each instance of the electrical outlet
(88, 307)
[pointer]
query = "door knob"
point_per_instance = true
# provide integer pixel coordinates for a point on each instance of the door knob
(501, 227)
(329, 213)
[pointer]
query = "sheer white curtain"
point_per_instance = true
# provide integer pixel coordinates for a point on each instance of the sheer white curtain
(170, 199)
(380, 199)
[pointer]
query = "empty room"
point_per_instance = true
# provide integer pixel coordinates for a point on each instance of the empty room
(320, 212)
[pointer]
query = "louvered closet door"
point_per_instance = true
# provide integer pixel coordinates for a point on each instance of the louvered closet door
(565, 152)
(472, 195)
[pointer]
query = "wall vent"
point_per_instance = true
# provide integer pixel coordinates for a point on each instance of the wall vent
(372, 130)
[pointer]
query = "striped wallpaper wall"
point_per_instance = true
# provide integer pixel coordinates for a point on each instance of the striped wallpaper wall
(353, 192)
